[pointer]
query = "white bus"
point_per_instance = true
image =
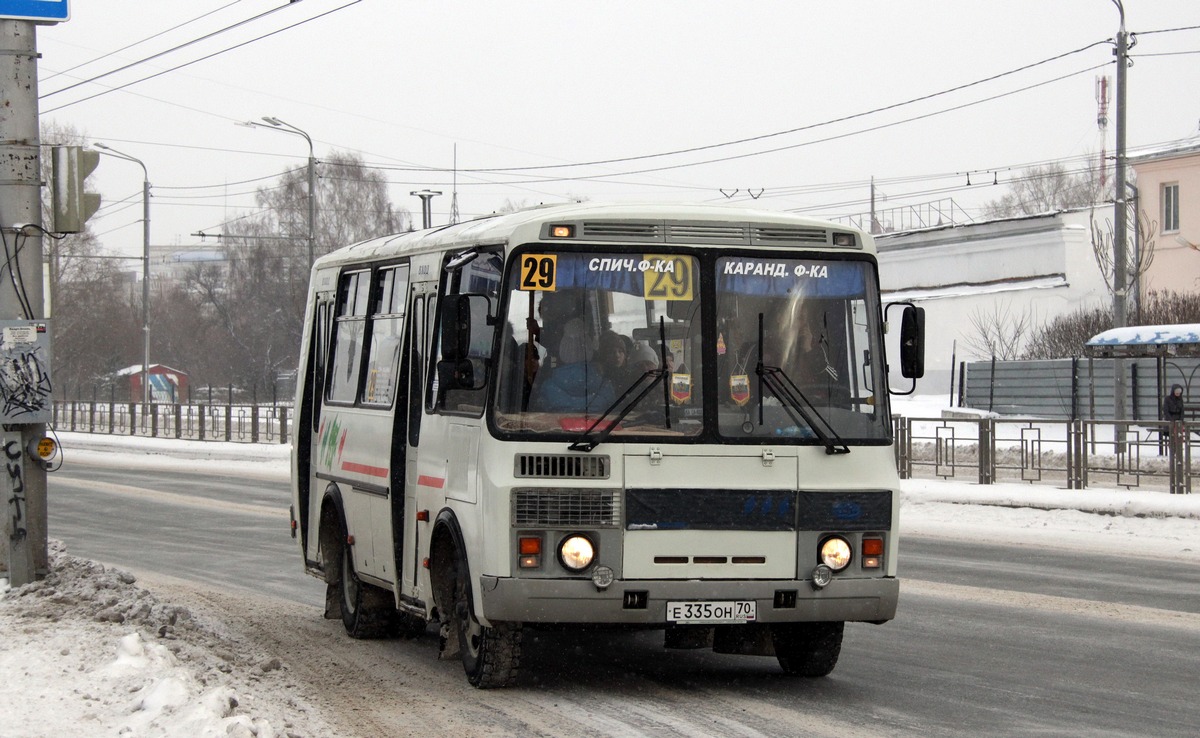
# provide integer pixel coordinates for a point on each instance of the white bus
(602, 415)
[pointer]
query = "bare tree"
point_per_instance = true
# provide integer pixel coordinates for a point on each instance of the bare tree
(96, 323)
(1047, 188)
(257, 303)
(512, 206)
(999, 332)
(1064, 336)
(1139, 253)
(1168, 307)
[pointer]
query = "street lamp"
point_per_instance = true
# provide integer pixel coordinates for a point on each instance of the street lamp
(426, 208)
(283, 127)
(110, 151)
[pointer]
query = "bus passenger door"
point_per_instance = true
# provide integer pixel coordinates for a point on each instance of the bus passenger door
(309, 430)
(405, 442)
(456, 386)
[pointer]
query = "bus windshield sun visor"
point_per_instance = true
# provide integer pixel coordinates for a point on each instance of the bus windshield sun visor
(461, 259)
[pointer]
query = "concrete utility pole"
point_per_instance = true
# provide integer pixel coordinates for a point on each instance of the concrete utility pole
(1120, 276)
(1120, 216)
(25, 545)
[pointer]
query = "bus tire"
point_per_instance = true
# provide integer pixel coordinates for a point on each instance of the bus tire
(367, 611)
(491, 655)
(807, 649)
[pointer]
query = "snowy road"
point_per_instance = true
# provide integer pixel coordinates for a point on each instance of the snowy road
(989, 638)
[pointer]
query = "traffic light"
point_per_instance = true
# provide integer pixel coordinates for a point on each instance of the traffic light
(72, 205)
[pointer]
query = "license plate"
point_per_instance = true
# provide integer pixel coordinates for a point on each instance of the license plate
(730, 611)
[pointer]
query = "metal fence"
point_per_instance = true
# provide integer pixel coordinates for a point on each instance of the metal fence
(1074, 388)
(1068, 453)
(237, 423)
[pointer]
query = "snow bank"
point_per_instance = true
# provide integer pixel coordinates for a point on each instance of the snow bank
(88, 652)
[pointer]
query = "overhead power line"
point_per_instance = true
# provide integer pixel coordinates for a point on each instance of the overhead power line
(163, 53)
(842, 119)
(910, 119)
(151, 37)
(203, 58)
(1166, 30)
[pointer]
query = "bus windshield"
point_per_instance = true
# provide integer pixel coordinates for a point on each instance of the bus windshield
(616, 343)
(798, 350)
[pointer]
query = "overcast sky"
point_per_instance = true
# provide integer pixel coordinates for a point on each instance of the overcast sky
(547, 83)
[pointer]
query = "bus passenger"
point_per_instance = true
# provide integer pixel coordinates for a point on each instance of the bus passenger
(576, 384)
(643, 359)
(613, 355)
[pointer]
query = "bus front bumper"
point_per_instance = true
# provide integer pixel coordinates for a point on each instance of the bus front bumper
(644, 602)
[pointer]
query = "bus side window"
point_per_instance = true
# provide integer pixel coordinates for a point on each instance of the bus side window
(387, 330)
(458, 383)
(320, 350)
(416, 372)
(348, 336)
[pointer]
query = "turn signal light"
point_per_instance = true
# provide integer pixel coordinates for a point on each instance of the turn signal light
(872, 553)
(530, 550)
(562, 231)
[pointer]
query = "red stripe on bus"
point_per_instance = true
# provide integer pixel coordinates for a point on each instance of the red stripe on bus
(435, 482)
(373, 471)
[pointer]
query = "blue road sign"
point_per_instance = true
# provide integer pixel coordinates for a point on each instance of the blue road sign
(38, 10)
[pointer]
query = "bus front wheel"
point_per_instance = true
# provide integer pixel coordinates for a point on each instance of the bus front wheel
(807, 649)
(491, 655)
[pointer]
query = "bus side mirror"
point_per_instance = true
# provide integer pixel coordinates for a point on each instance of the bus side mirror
(456, 327)
(461, 316)
(912, 342)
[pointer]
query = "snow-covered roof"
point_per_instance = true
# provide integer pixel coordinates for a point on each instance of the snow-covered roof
(1145, 340)
(137, 369)
(1173, 150)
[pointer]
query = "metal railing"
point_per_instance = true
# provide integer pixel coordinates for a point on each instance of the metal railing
(1068, 453)
(236, 423)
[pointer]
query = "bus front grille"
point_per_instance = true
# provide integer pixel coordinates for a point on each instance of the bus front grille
(566, 508)
(561, 466)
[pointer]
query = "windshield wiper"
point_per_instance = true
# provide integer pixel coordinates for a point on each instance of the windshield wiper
(587, 443)
(794, 401)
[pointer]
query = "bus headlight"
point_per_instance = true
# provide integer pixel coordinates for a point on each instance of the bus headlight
(835, 553)
(576, 552)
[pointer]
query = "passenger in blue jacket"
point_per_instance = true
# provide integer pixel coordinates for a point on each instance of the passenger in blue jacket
(576, 384)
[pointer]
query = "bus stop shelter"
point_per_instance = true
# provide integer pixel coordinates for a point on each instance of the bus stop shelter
(1160, 342)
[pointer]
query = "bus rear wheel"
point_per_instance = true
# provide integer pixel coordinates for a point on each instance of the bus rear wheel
(491, 655)
(807, 649)
(367, 611)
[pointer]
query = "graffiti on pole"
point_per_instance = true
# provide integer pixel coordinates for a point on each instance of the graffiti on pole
(15, 525)
(24, 372)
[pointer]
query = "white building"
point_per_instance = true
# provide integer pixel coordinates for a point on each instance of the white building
(1038, 266)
